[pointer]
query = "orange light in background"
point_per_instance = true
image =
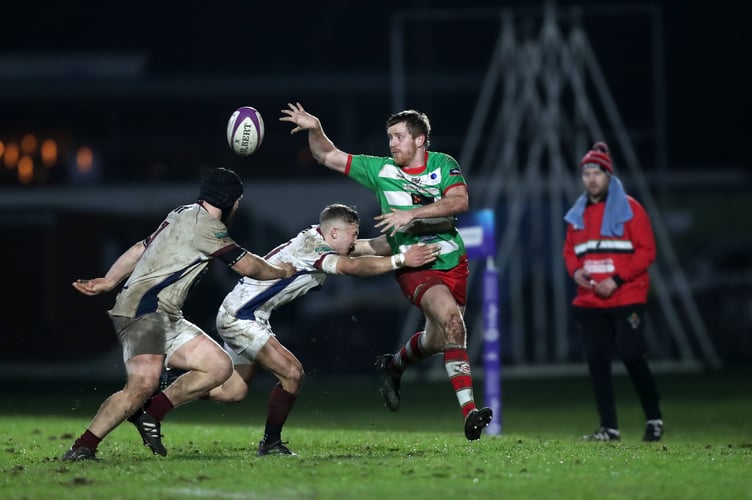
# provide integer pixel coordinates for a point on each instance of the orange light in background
(25, 169)
(49, 152)
(2, 148)
(84, 159)
(11, 155)
(28, 144)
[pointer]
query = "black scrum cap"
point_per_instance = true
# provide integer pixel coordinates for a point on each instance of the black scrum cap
(222, 187)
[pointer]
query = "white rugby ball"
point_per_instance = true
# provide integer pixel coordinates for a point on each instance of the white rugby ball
(245, 130)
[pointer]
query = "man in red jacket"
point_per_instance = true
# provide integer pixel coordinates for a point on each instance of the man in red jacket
(608, 249)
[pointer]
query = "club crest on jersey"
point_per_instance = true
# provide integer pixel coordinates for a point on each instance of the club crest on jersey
(221, 235)
(432, 178)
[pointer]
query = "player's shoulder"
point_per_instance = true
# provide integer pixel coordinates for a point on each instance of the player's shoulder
(194, 213)
(442, 159)
(439, 155)
(312, 242)
(310, 234)
(205, 224)
(372, 159)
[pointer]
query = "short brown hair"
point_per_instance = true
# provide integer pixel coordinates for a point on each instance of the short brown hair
(416, 122)
(339, 211)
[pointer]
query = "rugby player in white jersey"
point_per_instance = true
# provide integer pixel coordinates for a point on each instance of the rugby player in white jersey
(328, 248)
(148, 317)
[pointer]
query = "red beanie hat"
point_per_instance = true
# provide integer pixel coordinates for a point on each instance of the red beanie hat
(599, 156)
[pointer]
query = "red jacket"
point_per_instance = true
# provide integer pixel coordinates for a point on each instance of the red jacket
(627, 257)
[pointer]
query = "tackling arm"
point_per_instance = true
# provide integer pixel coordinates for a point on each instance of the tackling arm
(253, 266)
(370, 265)
(372, 246)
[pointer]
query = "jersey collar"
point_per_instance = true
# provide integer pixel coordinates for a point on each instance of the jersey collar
(417, 170)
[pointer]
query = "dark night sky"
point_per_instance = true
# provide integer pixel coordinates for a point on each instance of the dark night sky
(706, 51)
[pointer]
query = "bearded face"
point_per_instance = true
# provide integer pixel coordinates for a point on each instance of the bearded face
(402, 145)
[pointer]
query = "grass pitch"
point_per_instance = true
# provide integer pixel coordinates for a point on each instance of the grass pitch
(350, 446)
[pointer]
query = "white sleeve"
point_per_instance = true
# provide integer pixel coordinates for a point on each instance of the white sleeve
(329, 263)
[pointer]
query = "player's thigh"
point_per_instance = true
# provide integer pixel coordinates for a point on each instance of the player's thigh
(143, 372)
(143, 335)
(245, 337)
(277, 359)
(439, 306)
(192, 349)
(232, 390)
(246, 371)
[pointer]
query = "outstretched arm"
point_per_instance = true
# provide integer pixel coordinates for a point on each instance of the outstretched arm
(322, 148)
(120, 269)
(372, 246)
(370, 265)
(255, 267)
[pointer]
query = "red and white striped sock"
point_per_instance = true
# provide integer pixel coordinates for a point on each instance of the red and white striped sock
(457, 366)
(410, 353)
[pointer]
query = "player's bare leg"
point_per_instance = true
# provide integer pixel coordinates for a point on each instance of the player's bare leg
(207, 365)
(278, 360)
(235, 388)
(446, 332)
(143, 373)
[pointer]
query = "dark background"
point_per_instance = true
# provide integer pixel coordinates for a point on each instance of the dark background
(705, 53)
(158, 118)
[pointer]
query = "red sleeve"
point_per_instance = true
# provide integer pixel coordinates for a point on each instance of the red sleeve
(641, 233)
(347, 166)
(570, 259)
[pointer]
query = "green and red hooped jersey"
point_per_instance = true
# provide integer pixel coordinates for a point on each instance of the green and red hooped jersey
(403, 189)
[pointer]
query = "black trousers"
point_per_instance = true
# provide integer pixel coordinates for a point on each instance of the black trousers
(617, 332)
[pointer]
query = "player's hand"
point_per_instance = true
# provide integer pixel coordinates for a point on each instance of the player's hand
(298, 116)
(288, 269)
(421, 254)
(391, 222)
(92, 286)
(583, 279)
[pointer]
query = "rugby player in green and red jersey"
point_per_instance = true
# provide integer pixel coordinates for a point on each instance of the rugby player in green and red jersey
(420, 193)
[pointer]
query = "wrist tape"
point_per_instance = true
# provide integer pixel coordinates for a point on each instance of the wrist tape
(398, 261)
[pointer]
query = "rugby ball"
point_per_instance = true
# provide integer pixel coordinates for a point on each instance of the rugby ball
(245, 130)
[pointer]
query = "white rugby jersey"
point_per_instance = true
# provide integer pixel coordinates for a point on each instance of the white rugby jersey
(175, 255)
(312, 257)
